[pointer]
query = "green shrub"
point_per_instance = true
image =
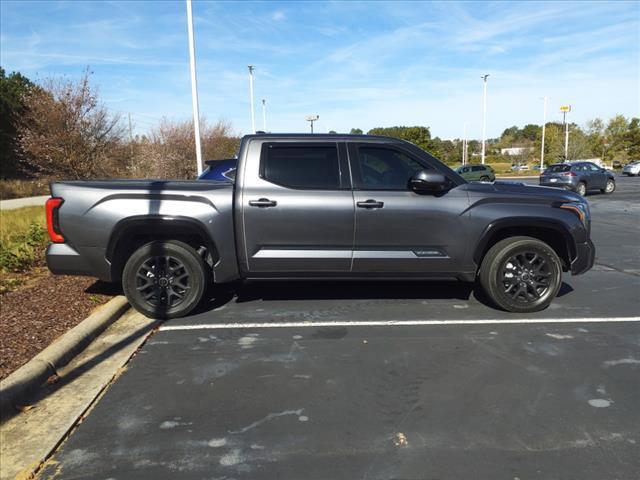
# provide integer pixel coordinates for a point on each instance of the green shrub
(22, 239)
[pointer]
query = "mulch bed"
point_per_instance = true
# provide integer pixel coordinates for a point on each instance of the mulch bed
(34, 315)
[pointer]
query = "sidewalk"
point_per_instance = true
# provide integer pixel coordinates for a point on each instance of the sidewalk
(23, 202)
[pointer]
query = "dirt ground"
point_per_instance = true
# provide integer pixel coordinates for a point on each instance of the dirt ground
(42, 309)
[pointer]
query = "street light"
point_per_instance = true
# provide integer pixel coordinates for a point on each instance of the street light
(194, 88)
(264, 115)
(311, 119)
(544, 125)
(565, 109)
(484, 114)
(464, 144)
(253, 113)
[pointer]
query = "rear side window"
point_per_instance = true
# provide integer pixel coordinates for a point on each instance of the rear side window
(301, 166)
(558, 168)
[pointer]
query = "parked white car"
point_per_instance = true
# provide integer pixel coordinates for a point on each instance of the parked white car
(632, 168)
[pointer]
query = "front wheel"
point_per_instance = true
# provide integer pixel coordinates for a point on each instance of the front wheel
(610, 187)
(521, 274)
(164, 279)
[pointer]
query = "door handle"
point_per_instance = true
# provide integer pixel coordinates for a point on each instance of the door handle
(263, 202)
(370, 204)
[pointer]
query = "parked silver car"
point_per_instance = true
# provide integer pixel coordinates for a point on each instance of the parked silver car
(632, 168)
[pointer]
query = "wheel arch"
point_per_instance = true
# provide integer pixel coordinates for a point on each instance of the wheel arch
(550, 231)
(132, 232)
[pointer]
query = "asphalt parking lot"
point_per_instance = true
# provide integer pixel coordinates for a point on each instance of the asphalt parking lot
(391, 380)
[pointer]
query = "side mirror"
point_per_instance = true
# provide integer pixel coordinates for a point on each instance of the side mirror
(429, 181)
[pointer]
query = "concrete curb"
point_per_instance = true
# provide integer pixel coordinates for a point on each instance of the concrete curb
(16, 389)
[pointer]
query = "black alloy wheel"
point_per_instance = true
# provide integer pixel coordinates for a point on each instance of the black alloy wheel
(525, 276)
(521, 274)
(164, 279)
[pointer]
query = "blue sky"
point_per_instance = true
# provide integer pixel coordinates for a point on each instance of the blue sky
(356, 64)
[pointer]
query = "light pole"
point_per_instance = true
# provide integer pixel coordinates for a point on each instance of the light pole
(253, 113)
(464, 144)
(194, 88)
(264, 115)
(544, 126)
(565, 109)
(484, 114)
(311, 119)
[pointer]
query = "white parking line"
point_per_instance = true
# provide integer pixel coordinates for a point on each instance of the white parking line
(391, 323)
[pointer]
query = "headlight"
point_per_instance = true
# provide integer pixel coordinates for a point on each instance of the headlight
(581, 209)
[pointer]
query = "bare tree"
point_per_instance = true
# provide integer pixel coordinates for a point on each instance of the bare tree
(169, 150)
(68, 132)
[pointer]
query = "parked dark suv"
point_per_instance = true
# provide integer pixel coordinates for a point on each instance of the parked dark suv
(579, 177)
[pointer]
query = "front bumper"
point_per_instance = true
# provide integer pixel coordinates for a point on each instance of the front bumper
(585, 257)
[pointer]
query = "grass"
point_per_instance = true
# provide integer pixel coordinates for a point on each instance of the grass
(23, 239)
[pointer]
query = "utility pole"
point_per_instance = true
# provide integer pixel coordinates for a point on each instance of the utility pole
(484, 114)
(253, 113)
(264, 115)
(194, 89)
(565, 109)
(544, 126)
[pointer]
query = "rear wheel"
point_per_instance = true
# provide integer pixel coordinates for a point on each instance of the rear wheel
(610, 187)
(521, 274)
(582, 188)
(164, 279)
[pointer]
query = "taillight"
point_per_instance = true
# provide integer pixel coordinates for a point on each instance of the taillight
(569, 174)
(53, 227)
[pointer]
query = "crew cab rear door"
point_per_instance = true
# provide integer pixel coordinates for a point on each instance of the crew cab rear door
(397, 230)
(297, 208)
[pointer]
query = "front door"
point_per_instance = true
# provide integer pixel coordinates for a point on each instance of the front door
(297, 208)
(397, 230)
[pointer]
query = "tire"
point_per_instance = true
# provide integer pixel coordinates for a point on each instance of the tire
(610, 188)
(484, 178)
(164, 279)
(521, 290)
(581, 189)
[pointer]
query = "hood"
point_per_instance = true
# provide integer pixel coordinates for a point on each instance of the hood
(515, 188)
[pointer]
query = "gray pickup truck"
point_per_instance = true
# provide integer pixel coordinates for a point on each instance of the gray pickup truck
(319, 207)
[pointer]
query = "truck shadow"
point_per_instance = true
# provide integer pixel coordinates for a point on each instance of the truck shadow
(317, 290)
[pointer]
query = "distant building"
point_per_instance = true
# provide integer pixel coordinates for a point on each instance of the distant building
(597, 161)
(515, 150)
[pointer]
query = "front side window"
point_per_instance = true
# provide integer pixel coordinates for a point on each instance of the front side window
(385, 168)
(301, 166)
(477, 168)
(593, 167)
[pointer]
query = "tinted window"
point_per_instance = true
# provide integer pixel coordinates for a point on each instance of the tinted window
(302, 166)
(477, 168)
(558, 168)
(385, 168)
